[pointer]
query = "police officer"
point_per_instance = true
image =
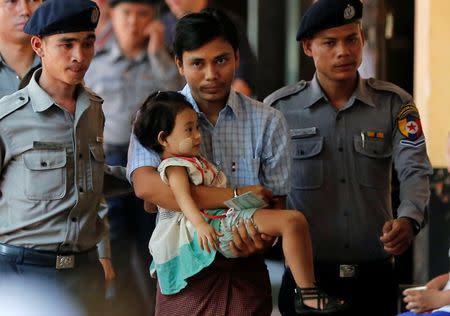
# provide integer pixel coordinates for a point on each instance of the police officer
(346, 131)
(52, 161)
(17, 58)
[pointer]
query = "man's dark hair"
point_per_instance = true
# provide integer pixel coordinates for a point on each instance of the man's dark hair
(156, 114)
(197, 29)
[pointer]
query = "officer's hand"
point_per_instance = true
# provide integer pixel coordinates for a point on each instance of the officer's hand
(258, 190)
(155, 32)
(149, 207)
(248, 241)
(397, 235)
(108, 269)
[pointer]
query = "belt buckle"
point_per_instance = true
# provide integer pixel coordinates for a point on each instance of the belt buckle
(347, 270)
(65, 262)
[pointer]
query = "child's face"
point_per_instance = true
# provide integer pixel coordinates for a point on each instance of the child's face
(185, 138)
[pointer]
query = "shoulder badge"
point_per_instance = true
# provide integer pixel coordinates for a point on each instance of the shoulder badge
(10, 103)
(381, 85)
(408, 124)
(284, 92)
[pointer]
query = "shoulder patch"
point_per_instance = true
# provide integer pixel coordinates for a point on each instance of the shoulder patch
(284, 92)
(12, 102)
(408, 122)
(381, 85)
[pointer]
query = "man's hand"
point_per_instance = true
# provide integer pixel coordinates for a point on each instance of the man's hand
(420, 301)
(258, 190)
(108, 268)
(155, 32)
(248, 241)
(397, 235)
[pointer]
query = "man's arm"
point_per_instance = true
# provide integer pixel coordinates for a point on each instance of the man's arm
(413, 170)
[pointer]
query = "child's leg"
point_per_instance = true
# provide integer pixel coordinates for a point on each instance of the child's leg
(293, 228)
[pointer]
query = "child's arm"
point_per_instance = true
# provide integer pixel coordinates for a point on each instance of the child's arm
(438, 282)
(179, 183)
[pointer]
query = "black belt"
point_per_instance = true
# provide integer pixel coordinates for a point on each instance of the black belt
(23, 255)
(353, 270)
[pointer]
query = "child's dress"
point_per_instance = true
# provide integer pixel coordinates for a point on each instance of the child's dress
(174, 245)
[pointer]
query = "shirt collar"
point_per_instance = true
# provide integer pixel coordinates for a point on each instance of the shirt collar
(316, 93)
(36, 61)
(233, 102)
(116, 54)
(42, 101)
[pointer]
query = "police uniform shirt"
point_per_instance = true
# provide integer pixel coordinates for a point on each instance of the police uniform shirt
(342, 160)
(124, 84)
(52, 166)
(9, 79)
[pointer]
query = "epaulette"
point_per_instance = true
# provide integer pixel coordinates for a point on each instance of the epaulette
(93, 96)
(12, 102)
(284, 92)
(381, 85)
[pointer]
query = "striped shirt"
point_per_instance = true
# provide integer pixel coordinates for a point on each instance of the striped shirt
(249, 143)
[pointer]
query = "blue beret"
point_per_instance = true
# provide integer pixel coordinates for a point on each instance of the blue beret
(63, 16)
(326, 14)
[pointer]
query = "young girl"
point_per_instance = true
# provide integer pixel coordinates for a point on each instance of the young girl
(183, 243)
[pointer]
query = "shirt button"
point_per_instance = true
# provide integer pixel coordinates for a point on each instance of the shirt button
(43, 164)
(74, 219)
(342, 180)
(21, 98)
(338, 117)
(80, 189)
(347, 246)
(341, 149)
(80, 156)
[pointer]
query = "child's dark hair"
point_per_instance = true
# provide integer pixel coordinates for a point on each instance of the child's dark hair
(156, 114)
(194, 30)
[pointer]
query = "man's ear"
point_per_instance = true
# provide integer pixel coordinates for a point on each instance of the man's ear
(306, 43)
(162, 138)
(37, 44)
(179, 63)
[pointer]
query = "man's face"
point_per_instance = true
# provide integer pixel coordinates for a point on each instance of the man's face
(65, 57)
(209, 70)
(336, 52)
(13, 16)
(130, 21)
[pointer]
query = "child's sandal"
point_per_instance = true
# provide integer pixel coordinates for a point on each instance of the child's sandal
(325, 303)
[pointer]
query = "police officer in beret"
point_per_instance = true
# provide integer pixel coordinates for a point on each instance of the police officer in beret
(346, 132)
(52, 161)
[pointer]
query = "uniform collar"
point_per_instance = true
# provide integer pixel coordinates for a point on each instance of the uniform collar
(36, 62)
(233, 103)
(116, 54)
(316, 93)
(42, 101)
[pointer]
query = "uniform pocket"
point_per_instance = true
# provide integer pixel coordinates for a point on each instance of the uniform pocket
(96, 172)
(45, 174)
(373, 162)
(307, 166)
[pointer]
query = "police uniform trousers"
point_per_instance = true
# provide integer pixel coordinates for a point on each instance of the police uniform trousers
(82, 278)
(133, 291)
(371, 288)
